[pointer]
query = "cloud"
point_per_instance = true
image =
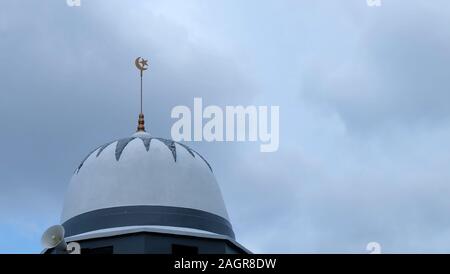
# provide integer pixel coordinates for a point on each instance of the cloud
(68, 87)
(362, 92)
(393, 74)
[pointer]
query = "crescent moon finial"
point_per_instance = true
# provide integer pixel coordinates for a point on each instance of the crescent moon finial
(141, 63)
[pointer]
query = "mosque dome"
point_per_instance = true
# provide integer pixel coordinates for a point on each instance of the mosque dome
(144, 181)
(142, 194)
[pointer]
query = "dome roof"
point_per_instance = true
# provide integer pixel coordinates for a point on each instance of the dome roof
(142, 180)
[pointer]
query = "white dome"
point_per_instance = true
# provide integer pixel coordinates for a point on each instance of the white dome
(141, 180)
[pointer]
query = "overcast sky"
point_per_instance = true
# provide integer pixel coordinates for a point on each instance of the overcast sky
(364, 96)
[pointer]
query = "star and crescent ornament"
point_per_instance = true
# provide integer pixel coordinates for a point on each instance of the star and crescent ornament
(141, 64)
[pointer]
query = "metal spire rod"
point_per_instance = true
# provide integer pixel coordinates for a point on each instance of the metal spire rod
(141, 90)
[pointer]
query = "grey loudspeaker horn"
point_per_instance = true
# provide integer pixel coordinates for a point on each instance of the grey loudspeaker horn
(53, 237)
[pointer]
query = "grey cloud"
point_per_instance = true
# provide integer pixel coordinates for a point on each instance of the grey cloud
(68, 85)
(394, 74)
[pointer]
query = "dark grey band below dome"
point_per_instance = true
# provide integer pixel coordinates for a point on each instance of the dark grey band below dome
(147, 215)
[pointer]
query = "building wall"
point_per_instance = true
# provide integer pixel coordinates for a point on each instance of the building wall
(157, 243)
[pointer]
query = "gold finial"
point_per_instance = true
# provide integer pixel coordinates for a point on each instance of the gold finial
(141, 122)
(142, 65)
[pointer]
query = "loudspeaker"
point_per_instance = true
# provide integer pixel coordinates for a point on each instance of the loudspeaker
(53, 237)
